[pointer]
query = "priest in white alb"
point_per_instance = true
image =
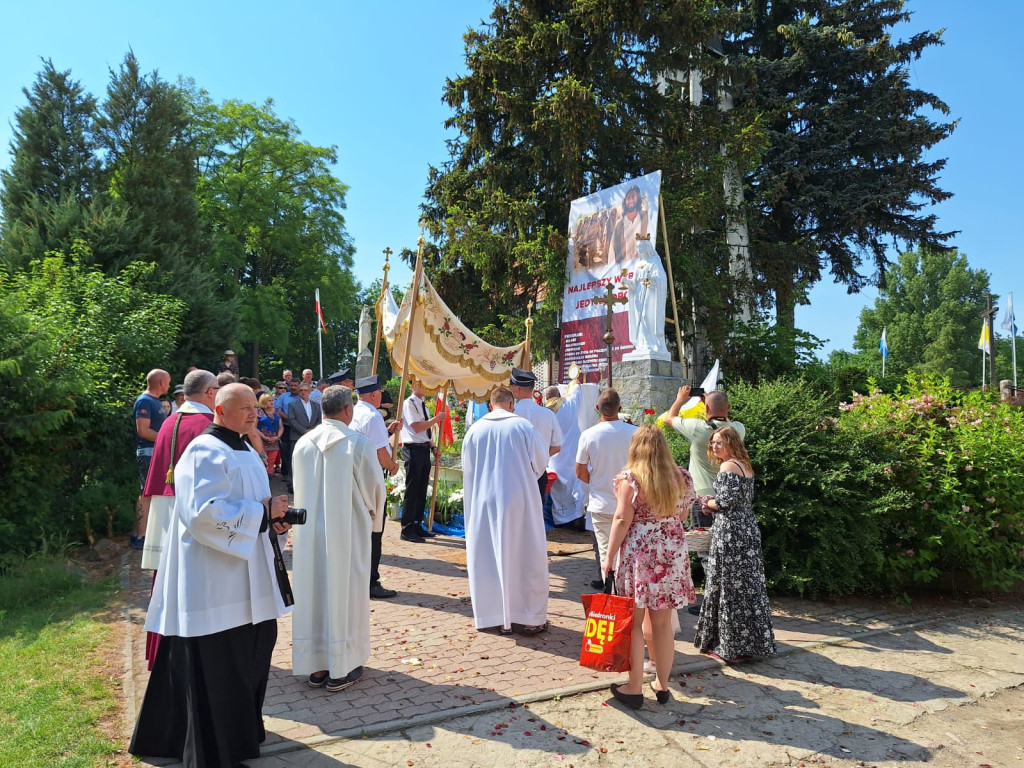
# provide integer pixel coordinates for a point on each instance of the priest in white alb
(220, 587)
(567, 494)
(506, 546)
(339, 483)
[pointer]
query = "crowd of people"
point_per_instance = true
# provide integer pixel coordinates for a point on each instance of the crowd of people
(213, 532)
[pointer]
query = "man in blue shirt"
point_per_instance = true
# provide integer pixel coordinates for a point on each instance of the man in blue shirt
(149, 414)
(281, 404)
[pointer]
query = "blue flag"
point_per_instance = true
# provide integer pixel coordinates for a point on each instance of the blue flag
(883, 347)
(1009, 323)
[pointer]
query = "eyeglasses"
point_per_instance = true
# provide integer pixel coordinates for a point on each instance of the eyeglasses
(278, 387)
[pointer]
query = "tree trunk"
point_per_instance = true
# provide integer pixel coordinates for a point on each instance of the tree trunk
(256, 359)
(785, 320)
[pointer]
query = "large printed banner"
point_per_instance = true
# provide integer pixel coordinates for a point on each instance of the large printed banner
(603, 229)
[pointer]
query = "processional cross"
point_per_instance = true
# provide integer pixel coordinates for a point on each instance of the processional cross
(610, 300)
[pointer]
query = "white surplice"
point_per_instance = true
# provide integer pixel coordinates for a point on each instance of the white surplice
(567, 492)
(217, 570)
(506, 547)
(339, 483)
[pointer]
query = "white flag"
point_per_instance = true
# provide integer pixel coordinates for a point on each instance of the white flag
(1009, 322)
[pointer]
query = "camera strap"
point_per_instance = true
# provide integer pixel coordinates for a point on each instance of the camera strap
(280, 571)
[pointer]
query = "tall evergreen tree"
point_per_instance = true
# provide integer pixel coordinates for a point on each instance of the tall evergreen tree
(845, 172)
(563, 98)
(150, 174)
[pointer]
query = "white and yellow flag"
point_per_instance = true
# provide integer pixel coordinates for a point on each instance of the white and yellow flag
(985, 342)
(444, 350)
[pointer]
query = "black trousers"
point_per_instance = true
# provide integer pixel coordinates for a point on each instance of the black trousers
(286, 452)
(204, 700)
(376, 546)
(417, 479)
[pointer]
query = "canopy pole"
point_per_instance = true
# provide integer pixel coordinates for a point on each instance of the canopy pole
(437, 458)
(380, 311)
(671, 280)
(416, 277)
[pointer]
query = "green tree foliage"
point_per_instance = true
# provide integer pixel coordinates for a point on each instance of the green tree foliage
(49, 193)
(844, 173)
(932, 309)
(151, 173)
(72, 344)
(561, 99)
(276, 208)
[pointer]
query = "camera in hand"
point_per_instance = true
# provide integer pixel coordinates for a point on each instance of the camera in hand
(294, 516)
(696, 391)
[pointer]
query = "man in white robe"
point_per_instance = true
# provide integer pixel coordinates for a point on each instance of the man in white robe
(506, 548)
(220, 588)
(339, 483)
(566, 491)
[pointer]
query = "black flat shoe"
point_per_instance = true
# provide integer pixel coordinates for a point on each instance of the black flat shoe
(630, 700)
(662, 696)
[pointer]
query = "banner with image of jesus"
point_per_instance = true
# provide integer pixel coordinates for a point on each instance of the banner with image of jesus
(603, 243)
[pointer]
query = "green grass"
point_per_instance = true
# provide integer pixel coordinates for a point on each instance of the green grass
(53, 692)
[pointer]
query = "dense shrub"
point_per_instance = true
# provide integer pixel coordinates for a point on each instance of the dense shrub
(74, 346)
(815, 489)
(953, 471)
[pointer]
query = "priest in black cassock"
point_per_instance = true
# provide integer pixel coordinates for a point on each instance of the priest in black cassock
(221, 586)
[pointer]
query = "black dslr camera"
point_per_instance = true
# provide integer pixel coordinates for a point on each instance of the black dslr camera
(294, 516)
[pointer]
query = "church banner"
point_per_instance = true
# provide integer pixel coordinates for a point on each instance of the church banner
(607, 233)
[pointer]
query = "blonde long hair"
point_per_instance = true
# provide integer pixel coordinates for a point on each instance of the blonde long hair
(655, 470)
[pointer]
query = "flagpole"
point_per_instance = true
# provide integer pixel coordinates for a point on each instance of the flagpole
(320, 332)
(437, 458)
(1013, 339)
(416, 277)
(380, 311)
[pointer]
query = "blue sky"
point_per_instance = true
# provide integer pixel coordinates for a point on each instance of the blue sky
(370, 83)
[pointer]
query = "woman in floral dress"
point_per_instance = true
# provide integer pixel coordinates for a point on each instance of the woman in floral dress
(649, 536)
(735, 621)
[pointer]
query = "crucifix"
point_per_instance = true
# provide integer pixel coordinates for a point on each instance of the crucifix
(610, 300)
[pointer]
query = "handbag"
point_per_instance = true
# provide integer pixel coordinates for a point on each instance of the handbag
(608, 633)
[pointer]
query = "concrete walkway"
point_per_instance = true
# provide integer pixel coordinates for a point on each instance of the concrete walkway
(430, 666)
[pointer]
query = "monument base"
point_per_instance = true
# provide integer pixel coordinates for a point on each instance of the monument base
(647, 385)
(645, 355)
(364, 364)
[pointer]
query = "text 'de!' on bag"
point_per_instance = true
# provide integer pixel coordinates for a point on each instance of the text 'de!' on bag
(608, 632)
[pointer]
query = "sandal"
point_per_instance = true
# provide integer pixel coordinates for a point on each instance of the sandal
(318, 679)
(528, 631)
(505, 630)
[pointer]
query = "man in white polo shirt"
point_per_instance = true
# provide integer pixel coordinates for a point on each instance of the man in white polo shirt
(367, 421)
(603, 452)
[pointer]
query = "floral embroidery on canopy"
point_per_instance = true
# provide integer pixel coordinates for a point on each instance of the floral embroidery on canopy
(443, 349)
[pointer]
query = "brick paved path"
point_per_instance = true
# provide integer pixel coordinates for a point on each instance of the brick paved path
(428, 662)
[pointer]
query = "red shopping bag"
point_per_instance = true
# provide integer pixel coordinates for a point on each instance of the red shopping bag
(608, 633)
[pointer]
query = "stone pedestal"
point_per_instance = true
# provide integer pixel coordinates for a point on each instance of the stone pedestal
(364, 364)
(647, 384)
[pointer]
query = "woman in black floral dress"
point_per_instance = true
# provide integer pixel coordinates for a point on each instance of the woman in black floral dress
(735, 621)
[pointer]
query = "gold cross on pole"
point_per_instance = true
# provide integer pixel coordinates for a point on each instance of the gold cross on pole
(610, 300)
